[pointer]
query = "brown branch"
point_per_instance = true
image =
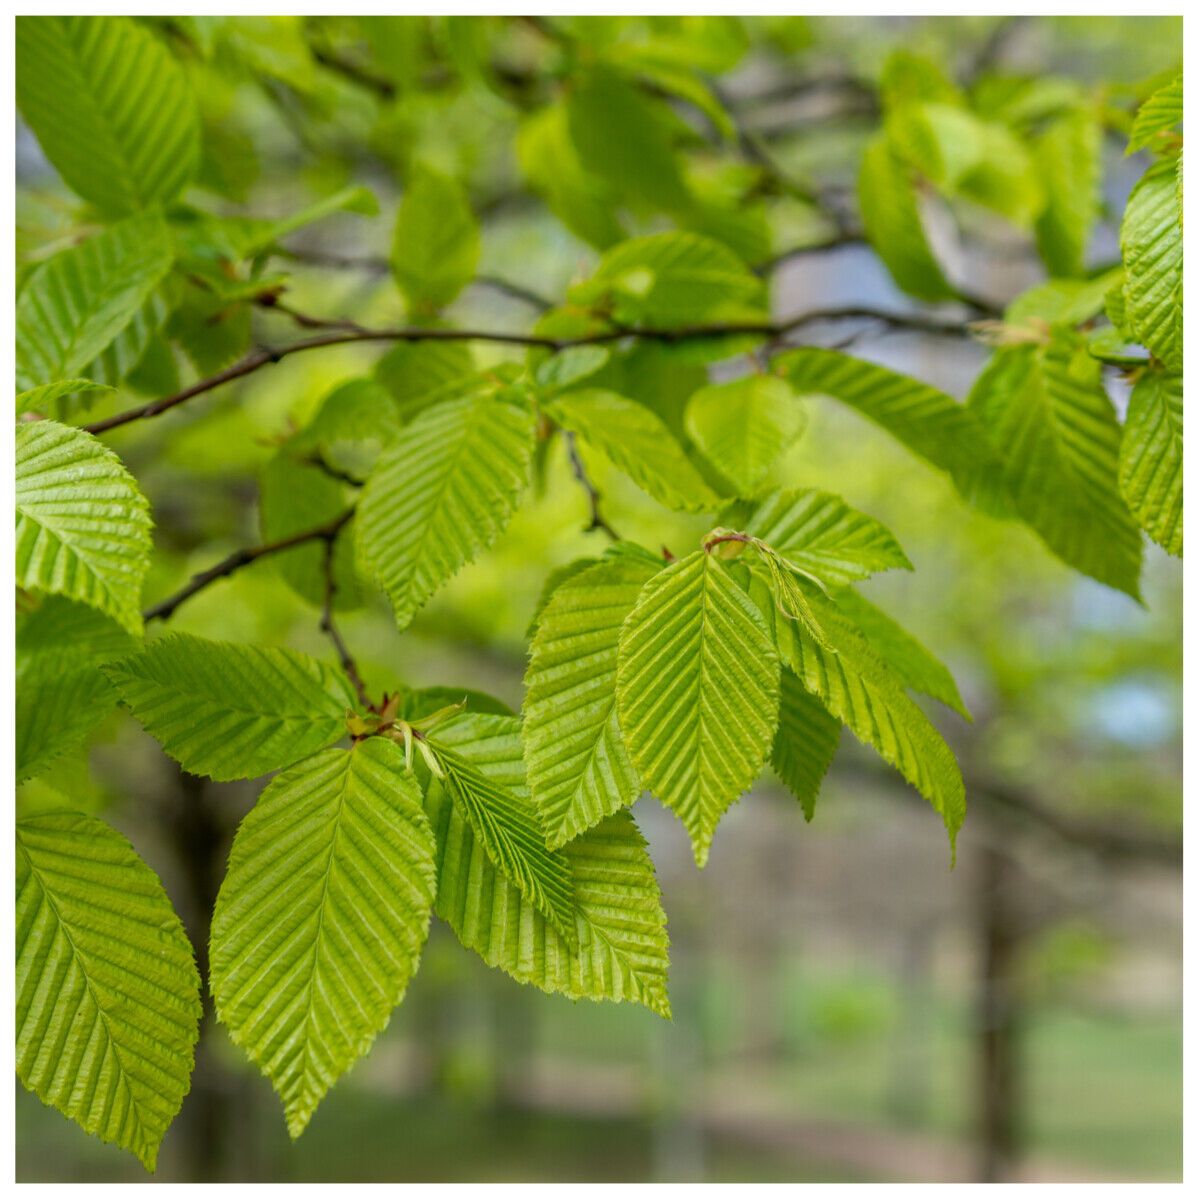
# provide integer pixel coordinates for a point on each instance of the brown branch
(243, 558)
(581, 475)
(328, 627)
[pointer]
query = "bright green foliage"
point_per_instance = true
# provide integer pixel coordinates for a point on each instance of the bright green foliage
(634, 439)
(108, 998)
(61, 693)
(230, 711)
(331, 879)
(742, 426)
(1070, 164)
(697, 692)
(1152, 250)
(436, 244)
(1151, 458)
(83, 530)
(443, 492)
(74, 305)
(619, 948)
(1048, 415)
(111, 108)
(1161, 112)
(418, 374)
(579, 770)
(818, 532)
(805, 742)
(930, 423)
(44, 396)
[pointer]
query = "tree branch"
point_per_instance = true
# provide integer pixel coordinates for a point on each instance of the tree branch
(328, 627)
(580, 473)
(243, 558)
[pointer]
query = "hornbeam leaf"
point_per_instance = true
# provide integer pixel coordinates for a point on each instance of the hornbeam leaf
(805, 742)
(1162, 111)
(818, 532)
(933, 425)
(743, 426)
(47, 393)
(442, 493)
(108, 996)
(1050, 418)
(1070, 161)
(75, 304)
(1152, 250)
(319, 925)
(436, 244)
(636, 440)
(697, 691)
(619, 948)
(111, 108)
(83, 526)
(1151, 458)
(232, 711)
(579, 770)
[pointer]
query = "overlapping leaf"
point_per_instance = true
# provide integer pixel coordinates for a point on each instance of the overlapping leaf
(108, 996)
(436, 243)
(1151, 458)
(45, 395)
(697, 691)
(805, 741)
(232, 711)
(1161, 112)
(320, 922)
(1069, 156)
(83, 529)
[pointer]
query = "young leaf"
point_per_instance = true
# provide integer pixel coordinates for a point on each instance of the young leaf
(1151, 458)
(1161, 112)
(319, 925)
(436, 244)
(619, 948)
(697, 691)
(61, 693)
(75, 304)
(818, 532)
(442, 493)
(743, 426)
(232, 711)
(418, 374)
(46, 394)
(83, 529)
(805, 742)
(579, 770)
(108, 996)
(111, 108)
(1049, 417)
(637, 442)
(1070, 161)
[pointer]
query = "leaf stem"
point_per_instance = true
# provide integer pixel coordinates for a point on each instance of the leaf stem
(580, 473)
(328, 627)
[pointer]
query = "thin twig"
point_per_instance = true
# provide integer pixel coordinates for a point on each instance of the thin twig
(328, 627)
(243, 558)
(580, 473)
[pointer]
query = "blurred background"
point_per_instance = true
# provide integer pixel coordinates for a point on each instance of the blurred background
(847, 1006)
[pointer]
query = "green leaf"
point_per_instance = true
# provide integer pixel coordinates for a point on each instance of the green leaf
(443, 492)
(504, 821)
(108, 996)
(579, 770)
(744, 425)
(557, 577)
(44, 396)
(697, 692)
(320, 921)
(933, 425)
(636, 441)
(1152, 250)
(418, 374)
(111, 108)
(1162, 111)
(857, 686)
(1050, 418)
(213, 331)
(232, 711)
(75, 304)
(805, 742)
(61, 693)
(568, 368)
(906, 657)
(892, 220)
(436, 244)
(83, 529)
(1063, 301)
(619, 948)
(818, 532)
(1069, 157)
(1151, 458)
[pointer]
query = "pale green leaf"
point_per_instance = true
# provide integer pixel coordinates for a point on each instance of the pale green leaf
(111, 107)
(418, 374)
(579, 770)
(1162, 111)
(1151, 458)
(1064, 301)
(443, 492)
(319, 925)
(1069, 157)
(805, 741)
(435, 248)
(232, 711)
(83, 529)
(107, 992)
(697, 691)
(44, 396)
